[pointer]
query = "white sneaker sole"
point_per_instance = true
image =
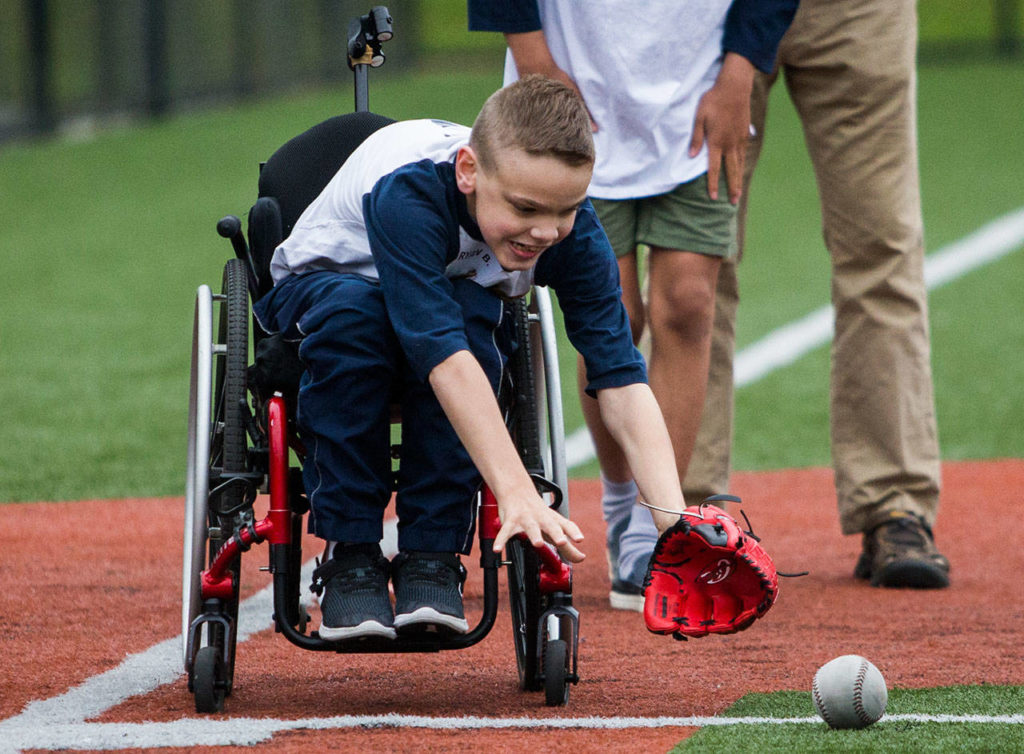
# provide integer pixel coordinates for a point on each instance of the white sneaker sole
(364, 629)
(619, 601)
(428, 616)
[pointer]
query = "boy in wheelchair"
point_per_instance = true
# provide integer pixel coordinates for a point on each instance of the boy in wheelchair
(394, 280)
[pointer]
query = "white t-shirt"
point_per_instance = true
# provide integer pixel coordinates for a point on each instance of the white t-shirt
(642, 69)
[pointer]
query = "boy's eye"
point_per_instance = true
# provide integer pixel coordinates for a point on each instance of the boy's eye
(524, 209)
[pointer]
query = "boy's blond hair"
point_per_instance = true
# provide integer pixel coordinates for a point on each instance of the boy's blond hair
(539, 115)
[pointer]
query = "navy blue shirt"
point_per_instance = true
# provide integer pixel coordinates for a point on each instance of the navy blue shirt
(413, 219)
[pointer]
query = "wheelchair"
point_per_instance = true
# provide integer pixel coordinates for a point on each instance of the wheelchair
(242, 442)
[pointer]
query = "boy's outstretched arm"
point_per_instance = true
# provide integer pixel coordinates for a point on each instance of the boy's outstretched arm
(632, 415)
(465, 395)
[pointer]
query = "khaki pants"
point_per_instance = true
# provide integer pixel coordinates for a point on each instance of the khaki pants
(849, 67)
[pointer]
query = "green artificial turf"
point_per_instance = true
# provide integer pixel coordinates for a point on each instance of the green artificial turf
(899, 735)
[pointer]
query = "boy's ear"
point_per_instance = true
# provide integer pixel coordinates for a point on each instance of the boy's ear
(466, 166)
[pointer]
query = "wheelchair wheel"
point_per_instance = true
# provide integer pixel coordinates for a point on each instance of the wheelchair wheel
(548, 394)
(525, 600)
(217, 450)
(197, 482)
(544, 661)
(228, 431)
(231, 503)
(209, 684)
(524, 566)
(556, 672)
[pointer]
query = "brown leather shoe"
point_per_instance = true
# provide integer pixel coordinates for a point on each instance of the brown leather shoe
(901, 552)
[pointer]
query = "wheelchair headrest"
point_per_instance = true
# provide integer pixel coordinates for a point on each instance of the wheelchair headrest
(300, 169)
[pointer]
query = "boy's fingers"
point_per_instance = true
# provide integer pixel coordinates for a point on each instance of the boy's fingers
(556, 530)
(504, 534)
(697, 139)
(509, 529)
(573, 531)
(559, 528)
(714, 164)
(566, 535)
(571, 552)
(734, 174)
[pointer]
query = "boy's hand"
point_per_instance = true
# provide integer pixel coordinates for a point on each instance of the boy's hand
(723, 121)
(540, 524)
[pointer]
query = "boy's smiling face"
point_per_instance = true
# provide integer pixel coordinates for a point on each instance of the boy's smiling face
(524, 205)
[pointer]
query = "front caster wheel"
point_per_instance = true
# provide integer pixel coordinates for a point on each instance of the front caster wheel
(208, 680)
(556, 672)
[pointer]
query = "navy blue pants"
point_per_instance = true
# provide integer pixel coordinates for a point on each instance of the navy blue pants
(355, 371)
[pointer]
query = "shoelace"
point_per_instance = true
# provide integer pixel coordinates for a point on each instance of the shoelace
(906, 532)
(361, 578)
(431, 569)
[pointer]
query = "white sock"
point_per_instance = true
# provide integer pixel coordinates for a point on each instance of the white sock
(637, 544)
(617, 499)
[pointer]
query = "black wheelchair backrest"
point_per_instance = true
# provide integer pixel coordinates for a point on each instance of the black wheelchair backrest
(298, 171)
(295, 175)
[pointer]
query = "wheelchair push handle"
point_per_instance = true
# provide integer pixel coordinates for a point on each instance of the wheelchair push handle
(546, 485)
(365, 36)
(230, 227)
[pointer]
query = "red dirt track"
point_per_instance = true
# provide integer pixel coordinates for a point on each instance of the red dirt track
(87, 583)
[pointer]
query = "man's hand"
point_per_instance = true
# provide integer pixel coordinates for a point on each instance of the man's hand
(723, 120)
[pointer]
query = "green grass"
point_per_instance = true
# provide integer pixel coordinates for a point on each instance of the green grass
(106, 239)
(895, 736)
(105, 243)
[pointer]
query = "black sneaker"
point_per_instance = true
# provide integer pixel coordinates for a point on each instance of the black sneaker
(901, 552)
(355, 601)
(428, 591)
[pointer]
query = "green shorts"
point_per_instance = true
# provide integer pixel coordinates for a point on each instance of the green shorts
(685, 219)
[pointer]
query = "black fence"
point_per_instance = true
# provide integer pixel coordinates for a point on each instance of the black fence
(63, 60)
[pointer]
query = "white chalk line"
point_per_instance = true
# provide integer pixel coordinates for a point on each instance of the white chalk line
(59, 722)
(242, 731)
(788, 343)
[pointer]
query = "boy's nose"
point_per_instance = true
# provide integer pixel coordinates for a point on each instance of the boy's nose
(546, 233)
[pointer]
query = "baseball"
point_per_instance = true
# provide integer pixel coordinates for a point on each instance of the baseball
(849, 692)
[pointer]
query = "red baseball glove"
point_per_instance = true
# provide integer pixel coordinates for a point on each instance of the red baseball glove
(707, 576)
